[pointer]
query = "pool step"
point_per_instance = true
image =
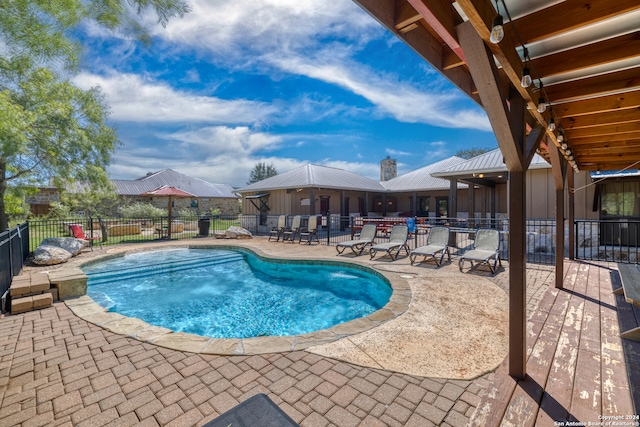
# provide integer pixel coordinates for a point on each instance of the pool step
(157, 269)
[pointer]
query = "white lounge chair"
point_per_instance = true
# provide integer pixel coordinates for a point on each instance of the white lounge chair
(367, 238)
(397, 242)
(486, 250)
(437, 243)
(278, 229)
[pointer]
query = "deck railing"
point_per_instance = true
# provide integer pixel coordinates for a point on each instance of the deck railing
(609, 240)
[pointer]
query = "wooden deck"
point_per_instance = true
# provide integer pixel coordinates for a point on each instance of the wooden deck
(578, 367)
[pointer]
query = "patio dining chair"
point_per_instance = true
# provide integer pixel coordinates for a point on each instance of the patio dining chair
(397, 242)
(437, 243)
(357, 246)
(486, 250)
(278, 229)
(311, 231)
(290, 234)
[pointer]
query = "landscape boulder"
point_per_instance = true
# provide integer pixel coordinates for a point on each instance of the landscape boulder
(50, 255)
(235, 232)
(69, 244)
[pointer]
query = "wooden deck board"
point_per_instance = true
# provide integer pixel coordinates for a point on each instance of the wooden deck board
(577, 362)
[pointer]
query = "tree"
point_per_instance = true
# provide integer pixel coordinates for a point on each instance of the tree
(262, 171)
(472, 152)
(48, 127)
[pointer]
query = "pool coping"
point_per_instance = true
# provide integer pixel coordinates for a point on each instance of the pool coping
(87, 309)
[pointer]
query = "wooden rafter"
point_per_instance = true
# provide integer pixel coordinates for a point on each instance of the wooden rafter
(567, 15)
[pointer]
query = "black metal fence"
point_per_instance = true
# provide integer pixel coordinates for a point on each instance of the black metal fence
(610, 240)
(14, 250)
(595, 240)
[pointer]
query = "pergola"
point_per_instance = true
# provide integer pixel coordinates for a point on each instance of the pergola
(580, 112)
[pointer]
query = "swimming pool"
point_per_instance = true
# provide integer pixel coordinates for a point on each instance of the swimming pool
(234, 293)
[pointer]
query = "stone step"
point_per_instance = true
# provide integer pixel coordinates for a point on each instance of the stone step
(34, 302)
(29, 284)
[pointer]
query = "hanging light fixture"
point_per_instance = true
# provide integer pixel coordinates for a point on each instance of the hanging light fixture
(560, 139)
(552, 125)
(542, 106)
(497, 29)
(526, 78)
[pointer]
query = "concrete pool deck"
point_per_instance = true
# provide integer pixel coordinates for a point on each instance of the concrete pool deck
(58, 369)
(421, 331)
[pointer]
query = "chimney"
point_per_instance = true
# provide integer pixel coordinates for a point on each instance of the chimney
(388, 169)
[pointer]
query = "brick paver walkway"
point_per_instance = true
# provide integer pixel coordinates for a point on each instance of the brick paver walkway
(57, 369)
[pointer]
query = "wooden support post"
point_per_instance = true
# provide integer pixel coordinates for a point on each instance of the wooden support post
(312, 202)
(559, 169)
(559, 237)
(471, 209)
(517, 276)
(572, 214)
(452, 209)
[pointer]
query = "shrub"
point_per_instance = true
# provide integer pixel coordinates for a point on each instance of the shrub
(141, 210)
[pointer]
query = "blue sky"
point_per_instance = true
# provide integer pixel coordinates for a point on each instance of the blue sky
(287, 82)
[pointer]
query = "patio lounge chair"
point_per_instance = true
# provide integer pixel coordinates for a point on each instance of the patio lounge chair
(397, 242)
(279, 229)
(437, 242)
(78, 233)
(367, 236)
(311, 231)
(290, 234)
(486, 250)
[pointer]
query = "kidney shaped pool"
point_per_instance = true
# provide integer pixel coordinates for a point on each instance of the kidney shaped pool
(234, 293)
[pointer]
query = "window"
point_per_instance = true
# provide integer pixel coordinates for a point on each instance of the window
(620, 199)
(194, 203)
(423, 206)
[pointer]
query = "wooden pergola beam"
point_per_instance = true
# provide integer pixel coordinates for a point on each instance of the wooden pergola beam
(567, 15)
(619, 81)
(604, 52)
(602, 104)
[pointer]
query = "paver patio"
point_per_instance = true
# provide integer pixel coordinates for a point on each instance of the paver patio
(57, 369)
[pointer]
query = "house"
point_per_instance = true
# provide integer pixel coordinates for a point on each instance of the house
(207, 196)
(310, 190)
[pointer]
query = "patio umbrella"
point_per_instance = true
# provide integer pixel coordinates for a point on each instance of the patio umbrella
(171, 192)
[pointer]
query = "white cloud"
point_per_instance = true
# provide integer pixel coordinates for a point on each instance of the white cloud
(219, 140)
(292, 36)
(229, 29)
(400, 100)
(133, 98)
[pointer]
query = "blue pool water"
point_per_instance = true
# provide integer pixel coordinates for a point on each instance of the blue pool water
(226, 293)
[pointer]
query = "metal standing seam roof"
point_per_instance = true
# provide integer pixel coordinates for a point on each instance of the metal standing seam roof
(422, 179)
(315, 176)
(171, 178)
(491, 161)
